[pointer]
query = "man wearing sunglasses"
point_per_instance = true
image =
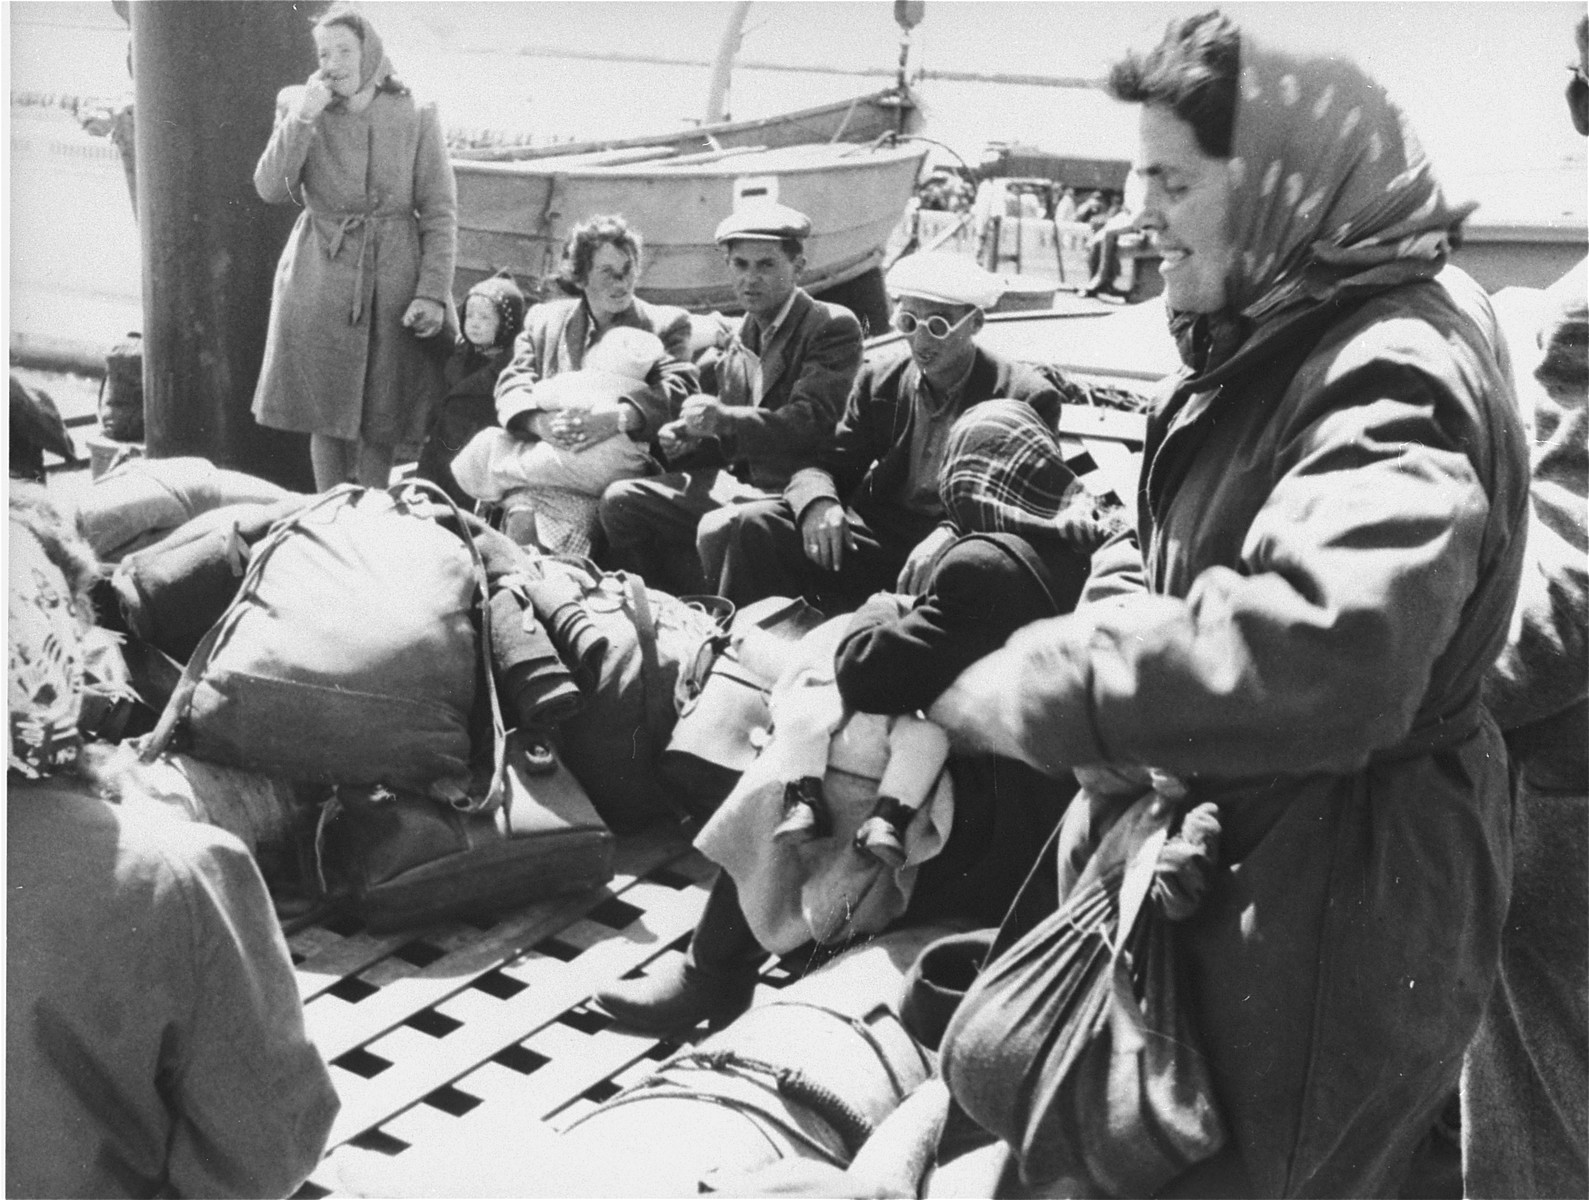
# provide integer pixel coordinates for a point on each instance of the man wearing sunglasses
(867, 516)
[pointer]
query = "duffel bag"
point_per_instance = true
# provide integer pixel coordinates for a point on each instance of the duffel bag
(638, 654)
(350, 654)
(721, 729)
(406, 860)
(138, 502)
(173, 592)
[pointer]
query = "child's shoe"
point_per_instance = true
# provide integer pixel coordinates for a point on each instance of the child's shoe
(805, 811)
(882, 835)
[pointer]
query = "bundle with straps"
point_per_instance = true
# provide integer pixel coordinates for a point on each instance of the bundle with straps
(350, 654)
(638, 654)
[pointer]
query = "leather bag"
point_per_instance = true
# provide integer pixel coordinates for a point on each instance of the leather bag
(404, 860)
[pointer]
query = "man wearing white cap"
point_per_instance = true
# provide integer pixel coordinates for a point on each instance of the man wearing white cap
(780, 383)
(867, 516)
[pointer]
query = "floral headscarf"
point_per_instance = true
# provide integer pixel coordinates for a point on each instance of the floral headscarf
(45, 692)
(1330, 190)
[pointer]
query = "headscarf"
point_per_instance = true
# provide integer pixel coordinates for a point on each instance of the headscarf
(1004, 472)
(504, 294)
(45, 691)
(374, 67)
(1330, 191)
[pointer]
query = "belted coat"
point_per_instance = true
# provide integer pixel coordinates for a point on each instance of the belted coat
(1331, 539)
(378, 229)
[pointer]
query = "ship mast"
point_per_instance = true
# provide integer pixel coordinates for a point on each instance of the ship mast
(723, 66)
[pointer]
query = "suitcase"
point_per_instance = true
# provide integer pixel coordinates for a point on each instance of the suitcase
(407, 860)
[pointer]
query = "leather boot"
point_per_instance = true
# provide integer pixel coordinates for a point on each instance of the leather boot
(715, 981)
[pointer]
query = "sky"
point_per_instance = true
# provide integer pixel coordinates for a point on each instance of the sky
(1482, 81)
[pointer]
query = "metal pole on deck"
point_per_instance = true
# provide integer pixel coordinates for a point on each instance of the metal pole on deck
(206, 78)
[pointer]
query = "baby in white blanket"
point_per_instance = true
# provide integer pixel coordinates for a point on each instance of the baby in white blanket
(503, 459)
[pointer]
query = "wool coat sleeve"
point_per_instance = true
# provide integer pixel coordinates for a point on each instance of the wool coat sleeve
(1352, 579)
(436, 207)
(241, 1074)
(525, 369)
(857, 443)
(1544, 668)
(803, 423)
(276, 175)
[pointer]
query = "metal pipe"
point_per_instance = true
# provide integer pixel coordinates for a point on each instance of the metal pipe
(206, 78)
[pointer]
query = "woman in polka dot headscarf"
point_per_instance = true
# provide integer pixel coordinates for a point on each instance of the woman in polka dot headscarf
(1331, 512)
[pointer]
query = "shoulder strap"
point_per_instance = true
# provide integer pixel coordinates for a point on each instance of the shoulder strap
(181, 700)
(497, 792)
(651, 689)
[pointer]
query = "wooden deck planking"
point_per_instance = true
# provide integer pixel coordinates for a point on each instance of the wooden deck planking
(475, 1025)
(422, 1068)
(328, 957)
(462, 955)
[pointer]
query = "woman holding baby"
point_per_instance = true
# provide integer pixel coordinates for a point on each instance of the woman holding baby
(562, 442)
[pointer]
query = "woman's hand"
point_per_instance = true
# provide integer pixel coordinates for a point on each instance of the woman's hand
(317, 94)
(424, 317)
(579, 429)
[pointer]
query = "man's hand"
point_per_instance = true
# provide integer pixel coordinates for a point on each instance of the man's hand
(316, 95)
(918, 566)
(424, 317)
(706, 416)
(825, 533)
(675, 439)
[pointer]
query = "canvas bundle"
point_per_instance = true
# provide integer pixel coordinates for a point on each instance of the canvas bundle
(350, 654)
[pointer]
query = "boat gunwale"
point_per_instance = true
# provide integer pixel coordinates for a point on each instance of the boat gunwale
(889, 97)
(728, 168)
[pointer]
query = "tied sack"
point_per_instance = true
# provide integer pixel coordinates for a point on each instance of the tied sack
(1074, 1044)
(349, 654)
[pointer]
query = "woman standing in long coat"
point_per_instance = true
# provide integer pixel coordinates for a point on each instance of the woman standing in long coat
(364, 280)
